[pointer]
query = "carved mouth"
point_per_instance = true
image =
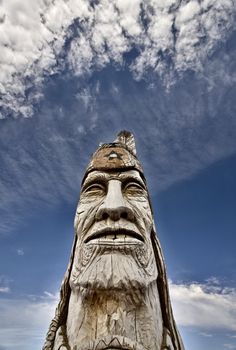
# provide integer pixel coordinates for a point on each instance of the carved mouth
(115, 236)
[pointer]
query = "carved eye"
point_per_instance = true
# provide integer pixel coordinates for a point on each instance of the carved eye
(133, 187)
(94, 189)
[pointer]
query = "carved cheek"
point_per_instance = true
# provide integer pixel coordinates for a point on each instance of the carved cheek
(86, 215)
(141, 204)
(142, 208)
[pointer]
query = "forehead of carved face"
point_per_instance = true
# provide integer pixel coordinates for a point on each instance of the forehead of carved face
(113, 207)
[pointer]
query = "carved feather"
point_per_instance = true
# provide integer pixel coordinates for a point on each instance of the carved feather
(127, 138)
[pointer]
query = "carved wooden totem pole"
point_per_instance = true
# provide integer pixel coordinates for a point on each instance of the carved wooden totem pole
(114, 294)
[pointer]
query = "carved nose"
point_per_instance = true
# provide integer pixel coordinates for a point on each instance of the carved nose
(114, 205)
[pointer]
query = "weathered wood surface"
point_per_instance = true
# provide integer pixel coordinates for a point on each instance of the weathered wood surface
(115, 293)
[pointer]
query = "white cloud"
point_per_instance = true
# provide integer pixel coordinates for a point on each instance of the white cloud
(20, 252)
(24, 322)
(4, 284)
(206, 335)
(230, 346)
(204, 306)
(33, 35)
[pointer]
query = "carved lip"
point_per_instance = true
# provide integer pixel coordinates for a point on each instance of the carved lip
(115, 236)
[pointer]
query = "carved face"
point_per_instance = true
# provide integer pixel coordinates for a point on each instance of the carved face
(113, 223)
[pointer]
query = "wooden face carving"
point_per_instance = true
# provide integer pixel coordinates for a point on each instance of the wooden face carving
(113, 224)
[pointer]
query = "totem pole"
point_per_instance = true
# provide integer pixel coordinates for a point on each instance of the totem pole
(115, 293)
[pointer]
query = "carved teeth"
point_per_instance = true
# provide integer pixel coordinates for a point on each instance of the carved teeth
(122, 236)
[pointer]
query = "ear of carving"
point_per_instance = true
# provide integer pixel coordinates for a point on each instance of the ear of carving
(127, 138)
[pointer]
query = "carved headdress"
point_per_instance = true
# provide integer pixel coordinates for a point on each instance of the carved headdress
(120, 155)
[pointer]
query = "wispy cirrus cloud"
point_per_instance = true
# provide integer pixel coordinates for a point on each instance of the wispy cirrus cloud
(92, 50)
(42, 38)
(177, 134)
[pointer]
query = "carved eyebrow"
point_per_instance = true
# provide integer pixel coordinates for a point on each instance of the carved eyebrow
(105, 177)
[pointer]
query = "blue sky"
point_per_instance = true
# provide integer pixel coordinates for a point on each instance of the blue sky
(73, 74)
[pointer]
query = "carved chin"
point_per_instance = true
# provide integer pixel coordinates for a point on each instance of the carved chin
(122, 268)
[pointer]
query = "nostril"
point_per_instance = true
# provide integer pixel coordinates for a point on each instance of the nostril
(104, 216)
(124, 215)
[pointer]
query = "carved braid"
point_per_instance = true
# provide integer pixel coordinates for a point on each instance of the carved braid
(167, 314)
(62, 307)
